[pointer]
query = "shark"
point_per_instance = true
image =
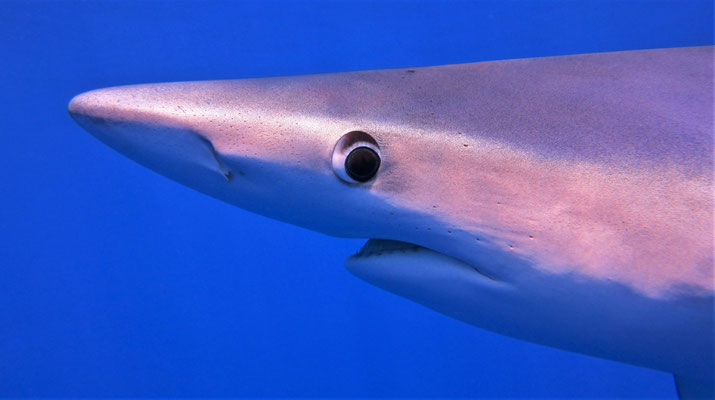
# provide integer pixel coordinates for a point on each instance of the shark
(566, 201)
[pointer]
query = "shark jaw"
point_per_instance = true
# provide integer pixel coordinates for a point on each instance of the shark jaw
(385, 253)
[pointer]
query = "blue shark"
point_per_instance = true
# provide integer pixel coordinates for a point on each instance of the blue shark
(565, 201)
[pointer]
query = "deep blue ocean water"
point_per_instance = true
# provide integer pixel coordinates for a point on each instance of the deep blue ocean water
(115, 281)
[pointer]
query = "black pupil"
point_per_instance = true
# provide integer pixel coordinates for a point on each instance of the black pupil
(362, 164)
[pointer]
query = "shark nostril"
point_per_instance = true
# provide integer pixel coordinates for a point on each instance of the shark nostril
(220, 166)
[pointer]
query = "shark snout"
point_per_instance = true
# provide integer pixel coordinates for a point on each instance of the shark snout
(140, 104)
(146, 124)
(86, 105)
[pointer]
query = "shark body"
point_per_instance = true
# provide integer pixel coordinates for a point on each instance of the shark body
(566, 201)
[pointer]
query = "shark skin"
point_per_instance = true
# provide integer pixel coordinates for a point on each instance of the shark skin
(566, 201)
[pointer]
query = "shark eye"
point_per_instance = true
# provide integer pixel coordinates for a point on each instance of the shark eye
(356, 157)
(362, 164)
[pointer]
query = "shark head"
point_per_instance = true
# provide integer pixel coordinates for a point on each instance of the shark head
(276, 147)
(233, 142)
(535, 219)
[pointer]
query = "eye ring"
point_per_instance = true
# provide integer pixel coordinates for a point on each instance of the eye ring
(356, 157)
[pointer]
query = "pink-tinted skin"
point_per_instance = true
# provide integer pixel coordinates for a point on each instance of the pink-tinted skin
(596, 167)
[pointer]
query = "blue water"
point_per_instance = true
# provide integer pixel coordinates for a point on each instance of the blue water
(115, 281)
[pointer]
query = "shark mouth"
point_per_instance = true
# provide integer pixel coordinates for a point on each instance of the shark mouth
(395, 248)
(378, 247)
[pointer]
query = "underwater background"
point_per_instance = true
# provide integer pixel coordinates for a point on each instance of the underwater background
(115, 281)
